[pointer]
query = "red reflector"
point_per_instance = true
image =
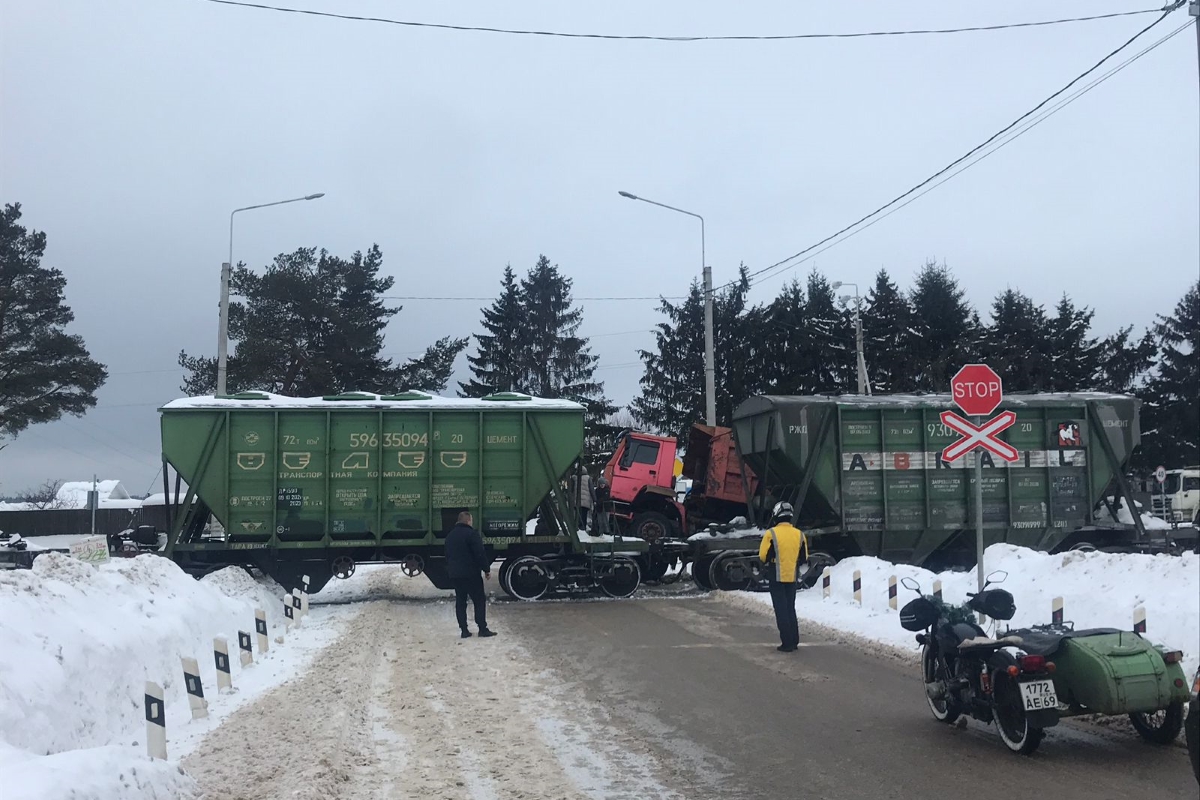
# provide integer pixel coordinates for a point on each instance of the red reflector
(1173, 656)
(1179, 682)
(1014, 671)
(1050, 666)
(1032, 663)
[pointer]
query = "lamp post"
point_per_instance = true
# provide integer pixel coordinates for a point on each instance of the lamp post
(226, 272)
(861, 362)
(710, 391)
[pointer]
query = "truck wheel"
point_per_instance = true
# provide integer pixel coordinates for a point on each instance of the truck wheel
(1162, 726)
(651, 526)
(700, 572)
(653, 568)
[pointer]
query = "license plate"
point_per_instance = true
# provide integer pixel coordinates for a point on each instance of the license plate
(1039, 695)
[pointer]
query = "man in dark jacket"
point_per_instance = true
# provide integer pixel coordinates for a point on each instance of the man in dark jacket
(465, 560)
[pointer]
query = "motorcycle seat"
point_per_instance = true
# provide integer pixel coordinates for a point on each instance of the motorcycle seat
(986, 643)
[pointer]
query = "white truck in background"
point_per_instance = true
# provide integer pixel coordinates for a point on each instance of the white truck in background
(1177, 499)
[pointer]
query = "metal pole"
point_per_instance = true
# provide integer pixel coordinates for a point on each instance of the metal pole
(858, 342)
(979, 512)
(95, 501)
(226, 272)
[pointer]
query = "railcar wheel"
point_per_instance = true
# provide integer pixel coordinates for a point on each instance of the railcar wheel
(619, 577)
(700, 572)
(1160, 727)
(654, 568)
(502, 576)
(343, 567)
(731, 572)
(528, 578)
(412, 565)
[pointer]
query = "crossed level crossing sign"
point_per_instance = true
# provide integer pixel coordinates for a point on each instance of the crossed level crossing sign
(977, 390)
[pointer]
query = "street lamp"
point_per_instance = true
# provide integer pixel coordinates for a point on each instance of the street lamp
(863, 386)
(226, 271)
(710, 391)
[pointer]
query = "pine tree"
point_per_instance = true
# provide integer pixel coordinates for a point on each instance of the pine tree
(313, 324)
(945, 329)
(44, 371)
(1124, 361)
(1171, 415)
(833, 359)
(431, 372)
(672, 380)
(1017, 344)
(886, 323)
(497, 364)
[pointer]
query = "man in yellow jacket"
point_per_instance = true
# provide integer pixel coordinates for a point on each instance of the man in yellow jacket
(782, 551)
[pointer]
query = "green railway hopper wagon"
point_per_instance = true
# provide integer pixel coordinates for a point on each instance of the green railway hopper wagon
(867, 477)
(315, 486)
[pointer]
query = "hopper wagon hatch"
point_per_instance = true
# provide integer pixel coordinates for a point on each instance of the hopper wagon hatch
(312, 487)
(867, 477)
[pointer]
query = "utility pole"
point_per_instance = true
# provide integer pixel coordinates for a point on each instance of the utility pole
(860, 360)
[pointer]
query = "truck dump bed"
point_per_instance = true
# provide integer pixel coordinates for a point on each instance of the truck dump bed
(869, 469)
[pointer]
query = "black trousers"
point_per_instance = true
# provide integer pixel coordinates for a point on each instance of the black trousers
(471, 587)
(583, 518)
(783, 598)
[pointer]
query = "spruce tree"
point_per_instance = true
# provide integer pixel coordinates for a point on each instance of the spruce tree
(555, 360)
(672, 382)
(431, 372)
(1124, 361)
(1171, 414)
(886, 323)
(497, 365)
(1017, 343)
(833, 359)
(45, 372)
(945, 329)
(1075, 356)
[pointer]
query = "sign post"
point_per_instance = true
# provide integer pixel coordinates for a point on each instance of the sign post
(977, 390)
(1160, 475)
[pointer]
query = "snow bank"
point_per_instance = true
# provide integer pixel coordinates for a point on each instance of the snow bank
(79, 644)
(1098, 590)
(1149, 521)
(103, 773)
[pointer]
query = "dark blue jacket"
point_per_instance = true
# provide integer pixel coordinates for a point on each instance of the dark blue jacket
(464, 552)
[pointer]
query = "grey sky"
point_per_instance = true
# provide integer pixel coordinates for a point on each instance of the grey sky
(130, 128)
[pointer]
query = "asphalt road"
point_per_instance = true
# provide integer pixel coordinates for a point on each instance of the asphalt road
(698, 683)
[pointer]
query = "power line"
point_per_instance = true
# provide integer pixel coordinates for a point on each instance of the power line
(1033, 123)
(677, 39)
(973, 151)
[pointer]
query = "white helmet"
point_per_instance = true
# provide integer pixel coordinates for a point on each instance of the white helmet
(781, 511)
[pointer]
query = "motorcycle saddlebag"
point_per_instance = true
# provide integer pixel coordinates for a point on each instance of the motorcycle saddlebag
(1114, 673)
(919, 614)
(994, 603)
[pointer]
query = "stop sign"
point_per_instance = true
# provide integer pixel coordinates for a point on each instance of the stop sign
(976, 389)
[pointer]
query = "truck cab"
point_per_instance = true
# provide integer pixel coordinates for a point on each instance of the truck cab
(641, 477)
(1177, 499)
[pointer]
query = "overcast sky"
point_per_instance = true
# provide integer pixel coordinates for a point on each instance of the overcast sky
(130, 128)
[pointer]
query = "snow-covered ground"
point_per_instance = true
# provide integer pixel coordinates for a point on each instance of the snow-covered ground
(78, 644)
(1098, 590)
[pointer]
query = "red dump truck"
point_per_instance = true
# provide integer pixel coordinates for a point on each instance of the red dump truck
(641, 474)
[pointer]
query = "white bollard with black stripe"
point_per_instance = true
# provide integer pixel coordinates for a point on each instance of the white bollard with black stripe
(260, 627)
(246, 646)
(826, 582)
(1139, 619)
(195, 689)
(304, 596)
(858, 587)
(288, 620)
(1056, 611)
(156, 722)
(221, 657)
(892, 593)
(937, 590)
(296, 604)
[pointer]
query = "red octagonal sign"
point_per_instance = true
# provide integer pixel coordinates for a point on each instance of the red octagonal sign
(976, 389)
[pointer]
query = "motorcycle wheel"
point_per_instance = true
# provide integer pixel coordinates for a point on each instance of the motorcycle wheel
(1159, 727)
(944, 709)
(1011, 720)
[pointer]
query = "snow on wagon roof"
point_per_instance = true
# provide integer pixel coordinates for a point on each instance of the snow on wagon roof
(259, 400)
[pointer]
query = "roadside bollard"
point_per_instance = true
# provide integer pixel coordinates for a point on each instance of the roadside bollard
(892, 597)
(289, 621)
(304, 596)
(858, 586)
(195, 689)
(296, 615)
(937, 590)
(1056, 611)
(245, 645)
(221, 657)
(260, 627)
(156, 722)
(826, 579)
(1139, 619)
